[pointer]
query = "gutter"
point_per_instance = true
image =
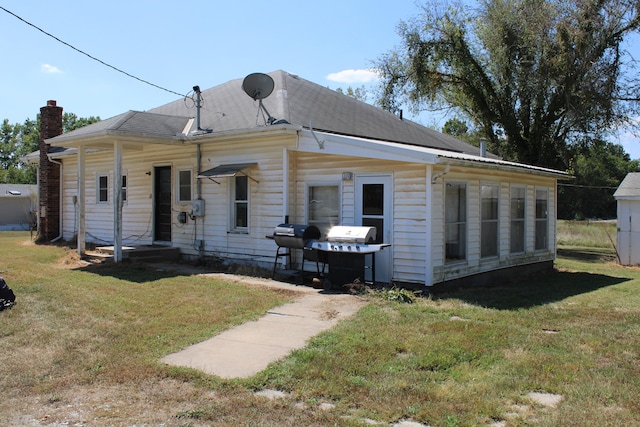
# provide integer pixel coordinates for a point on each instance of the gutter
(239, 134)
(486, 163)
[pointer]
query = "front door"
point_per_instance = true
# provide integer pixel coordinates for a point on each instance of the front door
(162, 204)
(374, 209)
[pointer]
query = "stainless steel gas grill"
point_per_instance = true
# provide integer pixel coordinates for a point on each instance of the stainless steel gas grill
(346, 248)
(295, 236)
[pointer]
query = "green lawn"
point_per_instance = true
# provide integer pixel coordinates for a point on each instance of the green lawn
(80, 339)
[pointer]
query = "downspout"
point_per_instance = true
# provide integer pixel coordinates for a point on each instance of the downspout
(198, 93)
(285, 184)
(435, 177)
(198, 167)
(199, 197)
(196, 89)
(61, 199)
(38, 204)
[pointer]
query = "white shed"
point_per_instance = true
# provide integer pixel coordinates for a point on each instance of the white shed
(628, 197)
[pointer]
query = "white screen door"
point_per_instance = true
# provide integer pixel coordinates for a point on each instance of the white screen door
(373, 207)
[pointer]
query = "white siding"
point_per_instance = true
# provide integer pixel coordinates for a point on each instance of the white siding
(504, 222)
(409, 217)
(410, 211)
(213, 228)
(628, 243)
(409, 203)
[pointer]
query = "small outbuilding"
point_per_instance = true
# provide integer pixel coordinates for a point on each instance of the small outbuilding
(628, 197)
(18, 204)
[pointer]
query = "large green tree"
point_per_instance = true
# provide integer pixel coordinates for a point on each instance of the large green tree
(20, 139)
(535, 76)
(598, 168)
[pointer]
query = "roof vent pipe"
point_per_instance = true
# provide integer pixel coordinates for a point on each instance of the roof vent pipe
(196, 89)
(483, 147)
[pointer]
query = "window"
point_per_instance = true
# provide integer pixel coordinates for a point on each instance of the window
(240, 202)
(103, 189)
(518, 196)
(124, 188)
(455, 210)
(489, 220)
(184, 185)
(542, 221)
(323, 206)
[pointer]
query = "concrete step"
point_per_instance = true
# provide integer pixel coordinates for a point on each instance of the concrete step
(145, 252)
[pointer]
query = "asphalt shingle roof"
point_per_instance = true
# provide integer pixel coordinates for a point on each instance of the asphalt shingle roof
(629, 187)
(134, 123)
(303, 103)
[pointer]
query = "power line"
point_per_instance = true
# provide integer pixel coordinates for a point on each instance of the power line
(92, 57)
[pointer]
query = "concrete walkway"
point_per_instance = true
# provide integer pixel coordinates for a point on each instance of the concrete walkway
(249, 348)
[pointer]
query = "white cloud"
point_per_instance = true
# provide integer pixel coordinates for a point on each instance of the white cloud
(52, 69)
(354, 76)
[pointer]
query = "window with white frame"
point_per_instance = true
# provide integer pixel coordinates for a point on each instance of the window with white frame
(489, 220)
(102, 189)
(184, 185)
(455, 212)
(240, 203)
(323, 206)
(542, 219)
(517, 214)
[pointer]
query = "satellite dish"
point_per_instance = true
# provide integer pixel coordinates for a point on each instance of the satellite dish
(258, 85)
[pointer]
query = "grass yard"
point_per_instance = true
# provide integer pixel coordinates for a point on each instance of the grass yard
(81, 348)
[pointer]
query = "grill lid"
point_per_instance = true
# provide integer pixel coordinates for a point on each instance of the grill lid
(354, 234)
(299, 231)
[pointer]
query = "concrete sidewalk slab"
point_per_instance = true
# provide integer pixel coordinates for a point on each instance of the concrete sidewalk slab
(249, 348)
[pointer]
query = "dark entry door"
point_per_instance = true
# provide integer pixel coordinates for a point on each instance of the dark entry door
(162, 204)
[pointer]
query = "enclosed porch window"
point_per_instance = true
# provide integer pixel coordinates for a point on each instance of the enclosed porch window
(489, 224)
(542, 219)
(518, 197)
(455, 221)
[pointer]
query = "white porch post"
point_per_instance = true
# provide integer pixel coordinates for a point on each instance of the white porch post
(285, 184)
(117, 201)
(80, 202)
(428, 264)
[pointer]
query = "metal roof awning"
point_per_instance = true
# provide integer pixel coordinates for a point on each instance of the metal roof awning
(225, 171)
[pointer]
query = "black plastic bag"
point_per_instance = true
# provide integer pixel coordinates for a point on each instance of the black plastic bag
(7, 297)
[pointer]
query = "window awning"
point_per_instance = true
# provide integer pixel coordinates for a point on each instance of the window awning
(225, 171)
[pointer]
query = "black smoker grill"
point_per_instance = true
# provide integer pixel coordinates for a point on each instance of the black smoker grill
(346, 247)
(295, 236)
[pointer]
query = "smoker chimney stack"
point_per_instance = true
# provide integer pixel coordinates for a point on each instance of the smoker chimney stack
(49, 178)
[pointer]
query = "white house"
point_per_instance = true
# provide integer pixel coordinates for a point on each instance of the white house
(628, 197)
(308, 155)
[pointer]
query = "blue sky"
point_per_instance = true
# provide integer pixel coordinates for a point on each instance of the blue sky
(177, 45)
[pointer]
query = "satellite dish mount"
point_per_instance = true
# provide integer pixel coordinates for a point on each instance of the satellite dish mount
(259, 86)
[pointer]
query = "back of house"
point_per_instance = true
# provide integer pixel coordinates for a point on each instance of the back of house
(215, 182)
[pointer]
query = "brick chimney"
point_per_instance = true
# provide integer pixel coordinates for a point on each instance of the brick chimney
(49, 179)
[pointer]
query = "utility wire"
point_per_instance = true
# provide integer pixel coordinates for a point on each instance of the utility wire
(92, 57)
